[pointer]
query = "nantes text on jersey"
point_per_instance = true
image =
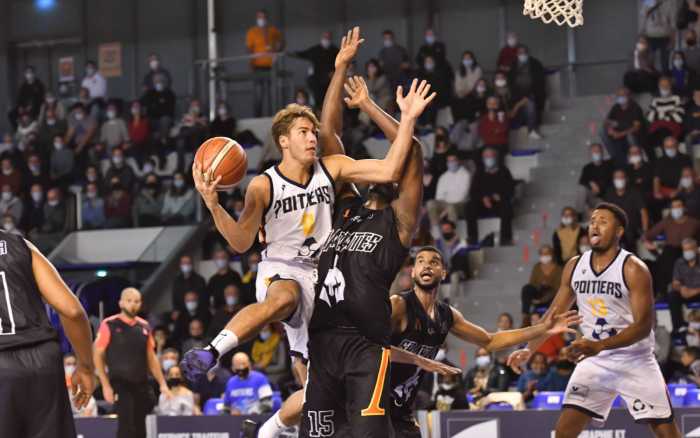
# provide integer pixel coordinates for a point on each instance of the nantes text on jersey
(298, 219)
(357, 265)
(423, 336)
(23, 318)
(603, 299)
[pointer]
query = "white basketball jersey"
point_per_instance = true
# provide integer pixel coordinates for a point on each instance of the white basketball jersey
(299, 218)
(603, 301)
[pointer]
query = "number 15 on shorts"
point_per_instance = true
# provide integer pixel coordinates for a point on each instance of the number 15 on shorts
(321, 423)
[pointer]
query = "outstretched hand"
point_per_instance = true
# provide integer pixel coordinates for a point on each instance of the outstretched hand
(431, 366)
(206, 185)
(416, 100)
(348, 47)
(357, 92)
(518, 358)
(562, 323)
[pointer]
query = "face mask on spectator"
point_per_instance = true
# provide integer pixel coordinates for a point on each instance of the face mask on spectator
(567, 220)
(452, 166)
(221, 263)
(178, 183)
(512, 42)
(664, 92)
(29, 76)
(58, 145)
(147, 168)
(430, 39)
(159, 86)
(483, 361)
(545, 259)
(53, 203)
(242, 373)
(325, 43)
(619, 183)
(6, 196)
(522, 58)
(621, 100)
(692, 339)
(481, 89)
(489, 162)
(641, 47)
(153, 64)
(91, 177)
(90, 71)
(583, 248)
(500, 83)
(265, 335)
(689, 255)
(186, 268)
(635, 159)
(388, 42)
(596, 157)
(441, 355)
(253, 267)
(261, 22)
(676, 213)
(8, 226)
(231, 301)
(91, 194)
(191, 306)
(429, 66)
(111, 114)
(467, 63)
(670, 152)
(69, 369)
(37, 196)
(222, 111)
(694, 326)
(678, 63)
(79, 116)
(118, 161)
(686, 182)
(167, 364)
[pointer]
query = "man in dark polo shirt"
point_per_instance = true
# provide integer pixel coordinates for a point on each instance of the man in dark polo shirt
(667, 170)
(125, 345)
(631, 201)
(686, 283)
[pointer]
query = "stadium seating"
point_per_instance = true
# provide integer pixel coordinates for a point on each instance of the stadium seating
(547, 400)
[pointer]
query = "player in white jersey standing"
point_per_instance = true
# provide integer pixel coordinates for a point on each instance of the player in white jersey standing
(613, 292)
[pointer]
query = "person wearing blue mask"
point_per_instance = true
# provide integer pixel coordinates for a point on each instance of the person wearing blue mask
(595, 179)
(431, 47)
(682, 76)
(468, 74)
(491, 195)
(623, 126)
(526, 80)
(667, 171)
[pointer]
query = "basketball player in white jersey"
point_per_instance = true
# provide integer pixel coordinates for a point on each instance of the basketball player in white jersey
(613, 292)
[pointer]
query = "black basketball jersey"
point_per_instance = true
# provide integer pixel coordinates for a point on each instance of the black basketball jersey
(357, 265)
(423, 336)
(23, 318)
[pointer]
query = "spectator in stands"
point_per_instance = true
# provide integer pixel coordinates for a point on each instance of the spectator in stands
(623, 126)
(224, 124)
(48, 129)
(159, 103)
(81, 129)
(393, 59)
(685, 287)
(683, 78)
(34, 209)
(536, 373)
(156, 71)
(248, 391)
(322, 59)
(677, 227)
(92, 174)
(178, 202)
(169, 357)
(521, 110)
(440, 76)
(485, 376)
(182, 400)
(92, 109)
(468, 74)
(148, 203)
(36, 174)
(95, 83)
(559, 374)
(691, 122)
(113, 132)
(595, 180)
(268, 350)
(187, 280)
(584, 243)
(117, 206)
(639, 172)
(627, 197)
(378, 86)
(438, 164)
(450, 394)
(29, 96)
(232, 304)
(10, 204)
(190, 132)
(10, 175)
(457, 259)
(52, 104)
(665, 116)
(551, 347)
(93, 208)
(466, 112)
(689, 191)
(491, 194)
(526, 78)
(69, 366)
(120, 170)
(508, 53)
(262, 40)
(692, 51)
(693, 335)
(431, 47)
(544, 282)
(221, 278)
(196, 307)
(139, 132)
(62, 163)
(505, 322)
(667, 171)
(27, 126)
(690, 358)
(565, 238)
(642, 75)
(451, 192)
(657, 22)
(250, 274)
(196, 335)
(494, 126)
(9, 224)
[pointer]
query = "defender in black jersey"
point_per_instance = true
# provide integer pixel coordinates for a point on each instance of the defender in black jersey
(349, 333)
(33, 397)
(420, 323)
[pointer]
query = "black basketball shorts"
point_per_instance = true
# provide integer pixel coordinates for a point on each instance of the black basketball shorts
(347, 392)
(33, 395)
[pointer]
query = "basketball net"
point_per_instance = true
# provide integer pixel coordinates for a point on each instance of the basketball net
(561, 12)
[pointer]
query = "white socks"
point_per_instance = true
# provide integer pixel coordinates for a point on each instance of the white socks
(272, 427)
(224, 342)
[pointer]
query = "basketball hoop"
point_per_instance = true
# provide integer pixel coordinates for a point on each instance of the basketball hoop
(561, 12)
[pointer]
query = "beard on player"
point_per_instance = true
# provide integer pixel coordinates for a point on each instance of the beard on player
(604, 231)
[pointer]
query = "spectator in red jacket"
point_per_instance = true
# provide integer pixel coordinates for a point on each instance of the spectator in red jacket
(494, 125)
(509, 53)
(139, 133)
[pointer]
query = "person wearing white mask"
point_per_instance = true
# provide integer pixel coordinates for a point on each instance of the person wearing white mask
(29, 96)
(431, 47)
(668, 169)
(70, 363)
(224, 124)
(169, 358)
(232, 303)
(632, 202)
(468, 74)
(267, 353)
(451, 192)
(665, 115)
(622, 126)
(196, 307)
(113, 132)
(685, 286)
(677, 227)
(508, 53)
(378, 87)
(159, 103)
(486, 376)
(187, 279)
(640, 173)
(595, 179)
(682, 77)
(689, 191)
(223, 276)
(82, 128)
(53, 225)
(392, 57)
(565, 237)
(440, 75)
(491, 193)
(583, 244)
(120, 169)
(527, 81)
(543, 284)
(321, 57)
(94, 82)
(179, 202)
(93, 208)
(156, 69)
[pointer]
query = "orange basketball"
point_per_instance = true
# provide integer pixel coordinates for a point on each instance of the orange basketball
(226, 157)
